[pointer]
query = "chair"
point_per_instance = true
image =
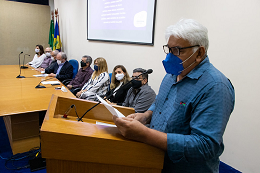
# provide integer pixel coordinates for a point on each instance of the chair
(66, 81)
(75, 65)
(110, 76)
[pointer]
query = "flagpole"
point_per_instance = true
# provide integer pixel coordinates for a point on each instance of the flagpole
(57, 17)
(51, 32)
(52, 15)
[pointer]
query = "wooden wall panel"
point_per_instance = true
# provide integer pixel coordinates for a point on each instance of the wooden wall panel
(22, 27)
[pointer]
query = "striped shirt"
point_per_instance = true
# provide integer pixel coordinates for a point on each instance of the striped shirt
(99, 85)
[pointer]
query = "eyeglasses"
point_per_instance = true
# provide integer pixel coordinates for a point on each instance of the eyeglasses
(175, 50)
(137, 77)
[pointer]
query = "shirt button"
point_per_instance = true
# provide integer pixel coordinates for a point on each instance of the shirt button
(166, 99)
(160, 112)
(152, 126)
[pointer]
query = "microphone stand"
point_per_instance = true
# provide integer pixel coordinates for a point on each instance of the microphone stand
(80, 119)
(41, 86)
(23, 67)
(19, 76)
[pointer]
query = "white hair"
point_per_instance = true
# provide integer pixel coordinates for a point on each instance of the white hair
(63, 55)
(190, 30)
(55, 52)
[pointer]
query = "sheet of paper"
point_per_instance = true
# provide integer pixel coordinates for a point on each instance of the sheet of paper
(105, 124)
(50, 82)
(113, 111)
(40, 75)
(63, 89)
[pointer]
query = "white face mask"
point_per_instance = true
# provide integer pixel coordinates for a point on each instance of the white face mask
(52, 58)
(48, 54)
(37, 50)
(120, 76)
(58, 62)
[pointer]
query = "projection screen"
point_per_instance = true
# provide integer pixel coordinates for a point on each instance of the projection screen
(128, 21)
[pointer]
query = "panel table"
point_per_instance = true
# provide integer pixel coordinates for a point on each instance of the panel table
(20, 104)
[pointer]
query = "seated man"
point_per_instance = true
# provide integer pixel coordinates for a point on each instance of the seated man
(83, 74)
(61, 69)
(53, 60)
(140, 96)
(47, 60)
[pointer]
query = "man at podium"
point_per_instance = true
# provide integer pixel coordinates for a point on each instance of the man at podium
(192, 108)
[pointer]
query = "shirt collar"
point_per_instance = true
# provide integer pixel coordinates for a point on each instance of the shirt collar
(199, 69)
(62, 63)
(136, 91)
(144, 85)
(85, 69)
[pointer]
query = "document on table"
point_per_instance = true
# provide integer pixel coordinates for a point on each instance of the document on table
(111, 109)
(40, 75)
(105, 124)
(50, 82)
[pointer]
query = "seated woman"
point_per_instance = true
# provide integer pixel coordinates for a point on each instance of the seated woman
(119, 85)
(38, 57)
(98, 83)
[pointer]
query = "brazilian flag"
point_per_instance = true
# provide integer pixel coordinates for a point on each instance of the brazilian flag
(56, 41)
(51, 34)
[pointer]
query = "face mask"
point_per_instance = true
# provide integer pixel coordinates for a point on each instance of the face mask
(48, 54)
(37, 50)
(58, 62)
(96, 67)
(119, 77)
(174, 65)
(83, 64)
(136, 84)
(52, 58)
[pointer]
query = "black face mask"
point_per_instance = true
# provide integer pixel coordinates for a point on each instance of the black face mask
(83, 64)
(136, 84)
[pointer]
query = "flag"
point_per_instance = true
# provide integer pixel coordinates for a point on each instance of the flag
(56, 41)
(51, 34)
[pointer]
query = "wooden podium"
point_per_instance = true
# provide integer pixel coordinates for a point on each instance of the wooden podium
(72, 146)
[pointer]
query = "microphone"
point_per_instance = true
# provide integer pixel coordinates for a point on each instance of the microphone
(23, 67)
(149, 71)
(68, 111)
(19, 76)
(40, 86)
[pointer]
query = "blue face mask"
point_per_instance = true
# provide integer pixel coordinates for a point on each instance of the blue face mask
(96, 67)
(173, 65)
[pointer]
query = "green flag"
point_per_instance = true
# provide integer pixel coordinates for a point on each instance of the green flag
(51, 34)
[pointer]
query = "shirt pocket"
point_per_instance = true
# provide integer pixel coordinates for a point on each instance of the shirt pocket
(176, 121)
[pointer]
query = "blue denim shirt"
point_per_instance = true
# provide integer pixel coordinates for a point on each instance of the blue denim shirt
(194, 113)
